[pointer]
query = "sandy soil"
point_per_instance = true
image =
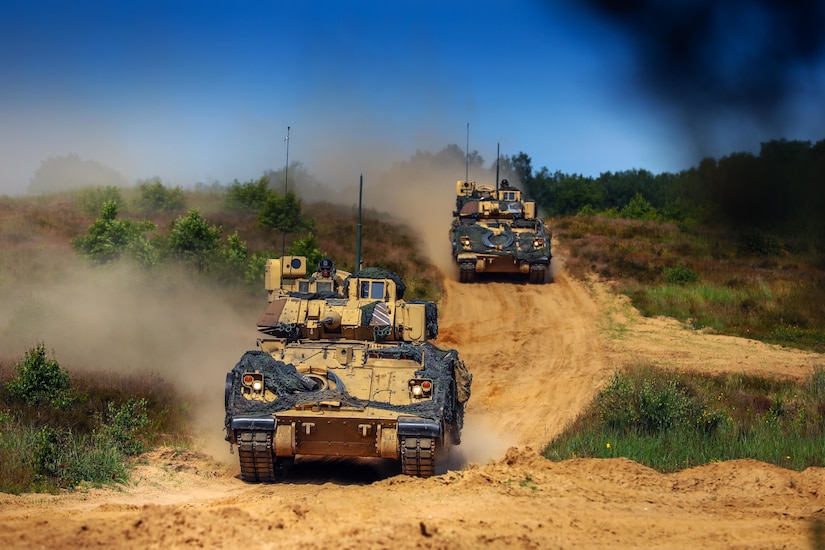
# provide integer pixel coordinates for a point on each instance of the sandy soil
(538, 355)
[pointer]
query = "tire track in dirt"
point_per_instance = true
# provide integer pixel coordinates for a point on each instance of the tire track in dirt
(538, 355)
(534, 351)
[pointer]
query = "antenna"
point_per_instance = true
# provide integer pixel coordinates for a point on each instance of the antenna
(498, 155)
(283, 229)
(467, 155)
(358, 232)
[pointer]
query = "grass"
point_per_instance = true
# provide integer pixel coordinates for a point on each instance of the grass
(85, 432)
(91, 432)
(671, 421)
(668, 421)
(705, 277)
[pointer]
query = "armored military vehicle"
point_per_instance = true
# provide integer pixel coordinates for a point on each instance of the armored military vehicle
(343, 368)
(495, 231)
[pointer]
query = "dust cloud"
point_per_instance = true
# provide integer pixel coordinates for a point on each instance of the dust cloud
(481, 442)
(419, 193)
(124, 320)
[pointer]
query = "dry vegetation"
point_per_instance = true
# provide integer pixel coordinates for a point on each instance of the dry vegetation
(747, 285)
(705, 278)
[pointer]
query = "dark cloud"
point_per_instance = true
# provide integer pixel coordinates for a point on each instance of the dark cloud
(751, 61)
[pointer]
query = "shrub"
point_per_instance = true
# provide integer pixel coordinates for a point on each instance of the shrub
(153, 196)
(92, 199)
(639, 209)
(248, 197)
(679, 275)
(649, 403)
(284, 213)
(40, 380)
(256, 270)
(587, 210)
(231, 260)
(193, 240)
(759, 243)
(308, 247)
(122, 424)
(109, 238)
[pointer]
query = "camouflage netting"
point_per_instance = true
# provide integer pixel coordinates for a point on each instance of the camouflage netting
(378, 273)
(443, 367)
(518, 245)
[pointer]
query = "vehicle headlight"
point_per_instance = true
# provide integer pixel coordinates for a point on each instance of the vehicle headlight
(253, 382)
(421, 388)
(465, 241)
(538, 242)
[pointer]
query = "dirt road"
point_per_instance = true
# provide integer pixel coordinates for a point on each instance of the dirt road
(538, 355)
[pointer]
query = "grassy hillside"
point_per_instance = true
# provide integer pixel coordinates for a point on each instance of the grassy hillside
(143, 343)
(100, 362)
(745, 284)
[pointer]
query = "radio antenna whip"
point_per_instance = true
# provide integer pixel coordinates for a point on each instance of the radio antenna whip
(286, 182)
(358, 231)
(498, 156)
(283, 229)
(467, 155)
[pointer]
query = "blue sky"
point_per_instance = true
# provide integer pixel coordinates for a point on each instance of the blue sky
(204, 91)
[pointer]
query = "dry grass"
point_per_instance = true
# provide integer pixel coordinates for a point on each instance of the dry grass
(775, 298)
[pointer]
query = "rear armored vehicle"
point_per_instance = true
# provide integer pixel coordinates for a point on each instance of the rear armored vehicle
(344, 368)
(494, 230)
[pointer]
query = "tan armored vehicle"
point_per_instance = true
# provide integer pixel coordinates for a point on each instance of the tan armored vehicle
(495, 231)
(344, 368)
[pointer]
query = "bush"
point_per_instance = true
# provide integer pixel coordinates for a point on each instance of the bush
(122, 424)
(92, 199)
(308, 247)
(248, 197)
(109, 238)
(650, 403)
(639, 209)
(679, 275)
(232, 258)
(284, 214)
(193, 240)
(154, 197)
(759, 243)
(40, 380)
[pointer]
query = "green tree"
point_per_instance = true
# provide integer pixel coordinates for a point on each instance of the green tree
(153, 196)
(109, 238)
(40, 380)
(248, 197)
(193, 240)
(639, 209)
(284, 213)
(256, 270)
(232, 259)
(91, 199)
(308, 247)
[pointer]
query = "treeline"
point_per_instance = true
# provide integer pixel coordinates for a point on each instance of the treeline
(780, 190)
(191, 239)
